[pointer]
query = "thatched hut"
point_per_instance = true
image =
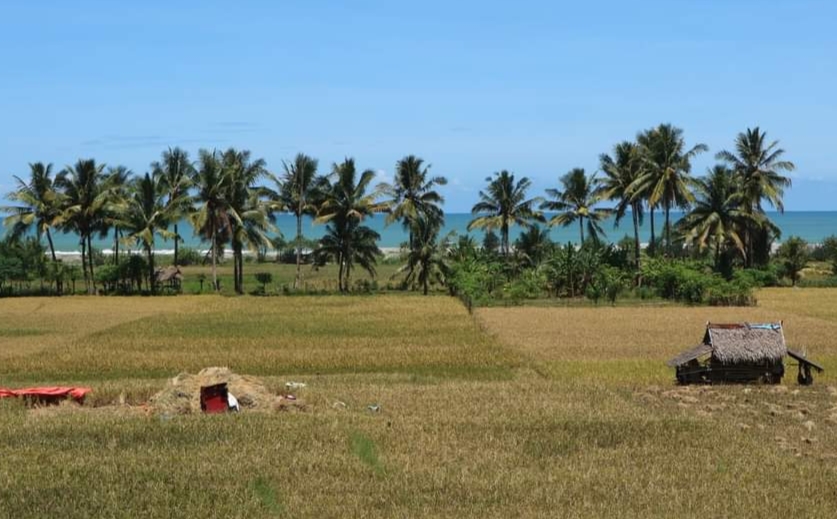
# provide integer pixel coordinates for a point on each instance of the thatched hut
(169, 276)
(740, 352)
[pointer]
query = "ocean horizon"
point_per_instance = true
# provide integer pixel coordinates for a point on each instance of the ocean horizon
(813, 226)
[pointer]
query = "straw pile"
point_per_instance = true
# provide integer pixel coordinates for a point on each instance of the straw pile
(182, 395)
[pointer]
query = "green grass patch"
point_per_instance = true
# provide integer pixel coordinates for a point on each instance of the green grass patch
(365, 450)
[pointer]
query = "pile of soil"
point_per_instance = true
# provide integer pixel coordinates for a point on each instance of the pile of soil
(182, 395)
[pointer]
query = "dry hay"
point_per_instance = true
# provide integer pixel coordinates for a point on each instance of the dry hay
(182, 395)
(803, 421)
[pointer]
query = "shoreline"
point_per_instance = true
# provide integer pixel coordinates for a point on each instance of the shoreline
(388, 252)
(75, 256)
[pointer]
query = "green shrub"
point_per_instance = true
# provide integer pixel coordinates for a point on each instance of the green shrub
(265, 278)
(528, 285)
(689, 283)
(725, 293)
(763, 277)
(188, 256)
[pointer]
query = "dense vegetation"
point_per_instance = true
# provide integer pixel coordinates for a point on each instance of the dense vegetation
(715, 254)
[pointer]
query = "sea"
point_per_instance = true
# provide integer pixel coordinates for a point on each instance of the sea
(813, 226)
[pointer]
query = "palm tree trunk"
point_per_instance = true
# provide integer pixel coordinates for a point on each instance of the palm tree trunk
(214, 261)
(90, 263)
(235, 267)
(58, 283)
(668, 230)
(637, 253)
(748, 243)
(51, 246)
(348, 272)
(176, 239)
(240, 273)
(340, 272)
(653, 232)
(426, 278)
(84, 265)
(151, 280)
(298, 279)
(116, 245)
(581, 228)
(504, 230)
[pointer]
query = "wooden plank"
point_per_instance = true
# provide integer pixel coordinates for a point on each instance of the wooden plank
(801, 358)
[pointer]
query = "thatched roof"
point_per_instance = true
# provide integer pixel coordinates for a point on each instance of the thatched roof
(698, 351)
(739, 342)
(733, 343)
(167, 274)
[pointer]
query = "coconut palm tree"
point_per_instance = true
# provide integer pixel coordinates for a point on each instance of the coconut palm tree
(503, 205)
(620, 173)
(211, 219)
(85, 202)
(414, 196)
(297, 194)
(175, 172)
(344, 207)
(40, 204)
(575, 203)
(248, 212)
(533, 245)
(666, 181)
(146, 215)
(116, 184)
(426, 259)
(759, 167)
(718, 218)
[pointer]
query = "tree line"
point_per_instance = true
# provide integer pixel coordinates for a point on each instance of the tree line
(725, 208)
(231, 200)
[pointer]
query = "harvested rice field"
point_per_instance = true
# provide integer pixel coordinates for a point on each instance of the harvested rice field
(411, 407)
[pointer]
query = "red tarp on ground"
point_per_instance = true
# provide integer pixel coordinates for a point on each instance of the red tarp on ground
(47, 393)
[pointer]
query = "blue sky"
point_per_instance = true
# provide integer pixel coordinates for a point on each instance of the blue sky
(473, 87)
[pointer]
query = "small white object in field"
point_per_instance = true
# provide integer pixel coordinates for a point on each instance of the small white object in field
(232, 402)
(294, 385)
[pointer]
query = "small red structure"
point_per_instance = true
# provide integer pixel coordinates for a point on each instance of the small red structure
(46, 395)
(215, 398)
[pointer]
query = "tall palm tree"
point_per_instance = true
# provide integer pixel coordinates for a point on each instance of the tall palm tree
(575, 203)
(718, 217)
(414, 196)
(175, 172)
(248, 212)
(40, 204)
(426, 259)
(666, 181)
(116, 184)
(620, 173)
(344, 207)
(298, 195)
(503, 205)
(211, 219)
(146, 215)
(759, 167)
(86, 201)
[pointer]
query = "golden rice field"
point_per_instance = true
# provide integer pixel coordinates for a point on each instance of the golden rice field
(524, 412)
